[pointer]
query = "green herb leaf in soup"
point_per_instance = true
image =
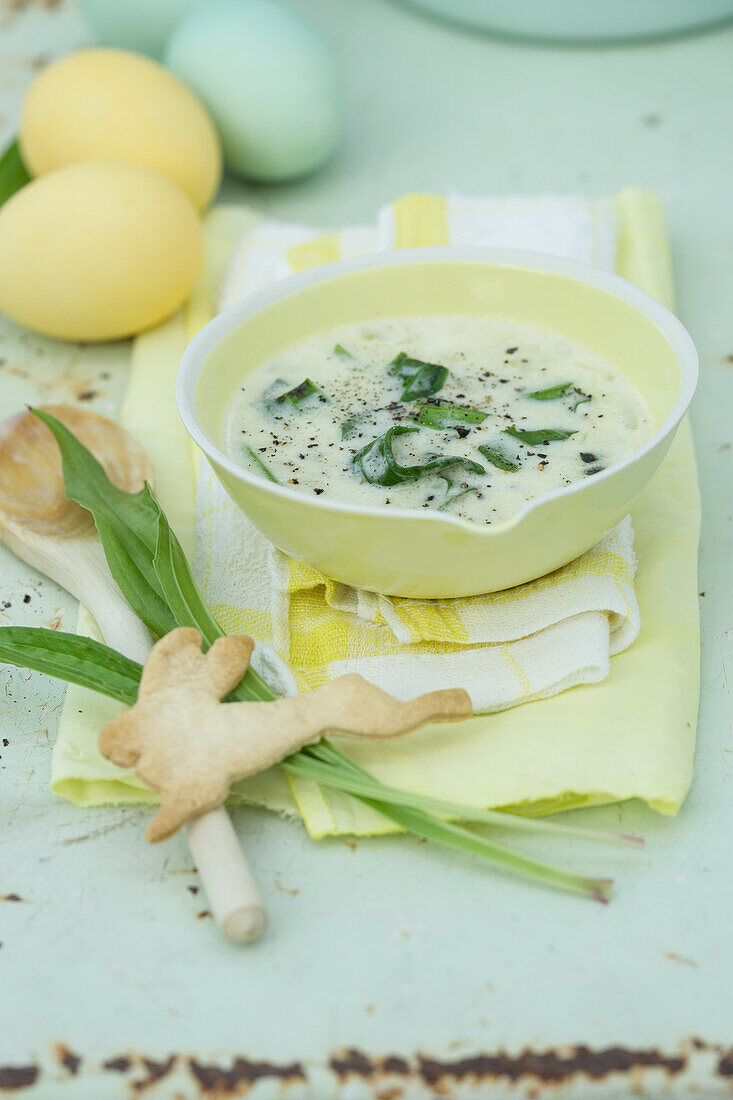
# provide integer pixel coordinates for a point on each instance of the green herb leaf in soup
(260, 467)
(420, 379)
(582, 399)
(456, 496)
(552, 393)
(436, 413)
(496, 458)
(297, 397)
(377, 463)
(537, 436)
(340, 350)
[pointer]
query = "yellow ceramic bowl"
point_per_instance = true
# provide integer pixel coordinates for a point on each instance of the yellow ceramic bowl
(433, 554)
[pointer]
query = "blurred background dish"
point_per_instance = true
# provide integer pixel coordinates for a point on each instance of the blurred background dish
(581, 20)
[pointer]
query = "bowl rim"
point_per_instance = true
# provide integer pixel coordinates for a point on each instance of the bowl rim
(214, 331)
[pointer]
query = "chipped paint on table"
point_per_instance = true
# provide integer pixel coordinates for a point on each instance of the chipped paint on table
(392, 970)
(580, 1072)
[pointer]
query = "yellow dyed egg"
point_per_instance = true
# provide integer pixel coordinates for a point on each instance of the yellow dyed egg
(107, 104)
(97, 251)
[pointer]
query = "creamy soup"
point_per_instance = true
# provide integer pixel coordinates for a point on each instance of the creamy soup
(471, 416)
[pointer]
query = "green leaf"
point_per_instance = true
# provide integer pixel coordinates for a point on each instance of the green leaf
(348, 427)
(538, 436)
(298, 396)
(451, 500)
(379, 466)
(463, 840)
(180, 590)
(318, 761)
(552, 393)
(496, 458)
(127, 524)
(187, 604)
(73, 658)
(376, 461)
(340, 350)
(581, 401)
(260, 466)
(424, 824)
(438, 413)
(420, 379)
(13, 173)
(143, 554)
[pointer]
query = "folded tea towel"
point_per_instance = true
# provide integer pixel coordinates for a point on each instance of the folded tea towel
(507, 648)
(630, 736)
(568, 226)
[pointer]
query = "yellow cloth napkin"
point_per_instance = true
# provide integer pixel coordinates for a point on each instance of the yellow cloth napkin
(631, 736)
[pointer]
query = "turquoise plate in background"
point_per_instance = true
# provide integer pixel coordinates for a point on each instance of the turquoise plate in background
(581, 20)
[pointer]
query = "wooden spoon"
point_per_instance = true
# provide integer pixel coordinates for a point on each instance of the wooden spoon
(58, 537)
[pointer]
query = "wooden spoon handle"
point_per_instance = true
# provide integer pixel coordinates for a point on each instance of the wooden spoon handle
(231, 890)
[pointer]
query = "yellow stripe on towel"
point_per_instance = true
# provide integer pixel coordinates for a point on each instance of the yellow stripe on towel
(321, 250)
(420, 221)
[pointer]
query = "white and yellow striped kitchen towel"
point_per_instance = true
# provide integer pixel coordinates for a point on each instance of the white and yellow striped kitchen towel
(506, 648)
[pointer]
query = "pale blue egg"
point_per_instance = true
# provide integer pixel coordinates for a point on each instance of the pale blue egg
(141, 25)
(269, 80)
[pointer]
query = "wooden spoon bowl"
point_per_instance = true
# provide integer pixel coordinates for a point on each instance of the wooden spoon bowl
(31, 480)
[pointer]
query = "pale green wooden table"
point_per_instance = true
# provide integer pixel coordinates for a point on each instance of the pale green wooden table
(439, 977)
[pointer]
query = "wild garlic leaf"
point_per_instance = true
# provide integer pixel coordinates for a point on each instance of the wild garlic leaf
(339, 349)
(73, 658)
(496, 458)
(420, 379)
(537, 436)
(260, 466)
(179, 587)
(127, 524)
(583, 398)
(298, 395)
(464, 840)
(423, 822)
(456, 496)
(552, 393)
(310, 759)
(13, 173)
(378, 465)
(438, 413)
